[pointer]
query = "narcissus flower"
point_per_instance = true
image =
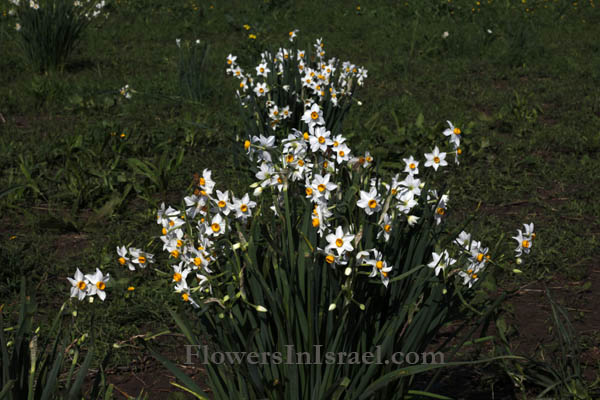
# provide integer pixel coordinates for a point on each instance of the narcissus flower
(79, 284)
(441, 261)
(97, 284)
(339, 241)
(435, 159)
(369, 201)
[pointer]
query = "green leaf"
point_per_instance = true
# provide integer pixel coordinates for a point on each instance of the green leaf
(190, 386)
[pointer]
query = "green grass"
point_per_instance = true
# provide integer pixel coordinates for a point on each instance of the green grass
(526, 95)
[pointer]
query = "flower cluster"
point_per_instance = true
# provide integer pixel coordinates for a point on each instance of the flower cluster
(353, 216)
(89, 285)
(88, 9)
(125, 91)
(297, 80)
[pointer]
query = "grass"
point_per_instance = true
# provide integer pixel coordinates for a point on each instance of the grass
(84, 167)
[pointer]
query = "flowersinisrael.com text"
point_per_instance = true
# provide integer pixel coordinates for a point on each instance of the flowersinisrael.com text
(204, 355)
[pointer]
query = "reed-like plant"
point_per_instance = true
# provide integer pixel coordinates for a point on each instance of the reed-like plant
(192, 69)
(49, 30)
(314, 288)
(36, 366)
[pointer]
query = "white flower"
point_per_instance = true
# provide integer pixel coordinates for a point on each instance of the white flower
(369, 201)
(412, 220)
(386, 227)
(123, 259)
(379, 266)
(339, 241)
(435, 159)
(411, 165)
(262, 69)
(319, 139)
(243, 207)
(445, 35)
(453, 133)
(217, 226)
(313, 116)
(261, 89)
(80, 285)
(441, 261)
(98, 284)
(322, 187)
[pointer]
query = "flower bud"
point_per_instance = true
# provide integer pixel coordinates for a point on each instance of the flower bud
(257, 192)
(348, 271)
(519, 261)
(332, 307)
(261, 309)
(517, 271)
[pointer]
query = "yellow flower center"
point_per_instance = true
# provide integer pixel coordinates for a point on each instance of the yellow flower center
(315, 222)
(229, 62)
(215, 227)
(142, 259)
(197, 261)
(244, 208)
(379, 264)
(100, 285)
(179, 243)
(339, 242)
(81, 285)
(122, 261)
(262, 69)
(526, 244)
(242, 85)
(314, 115)
(177, 277)
(309, 191)
(474, 276)
(131, 288)
(301, 163)
(372, 203)
(369, 159)
(164, 230)
(440, 211)
(456, 131)
(533, 236)
(385, 274)
(221, 204)
(185, 297)
(436, 160)
(469, 271)
(412, 165)
(480, 257)
(305, 135)
(387, 227)
(330, 259)
(459, 151)
(336, 144)
(203, 181)
(261, 90)
(321, 188)
(275, 112)
(325, 164)
(361, 160)
(175, 253)
(289, 158)
(171, 223)
(342, 153)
